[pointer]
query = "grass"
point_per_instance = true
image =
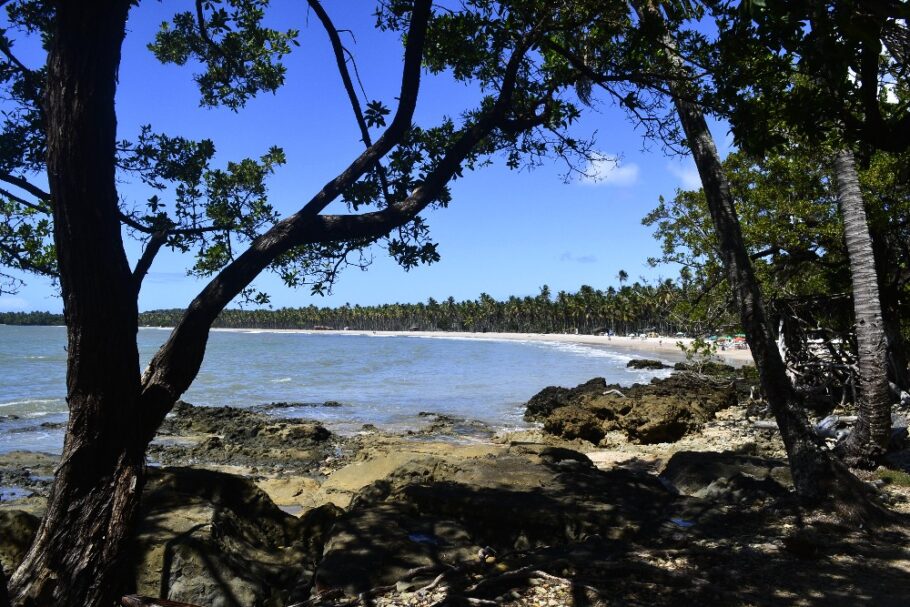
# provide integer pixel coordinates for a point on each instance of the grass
(894, 477)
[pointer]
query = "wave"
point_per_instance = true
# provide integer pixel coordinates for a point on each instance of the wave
(587, 351)
(281, 380)
(32, 401)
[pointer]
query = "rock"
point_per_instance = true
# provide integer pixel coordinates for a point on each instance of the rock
(376, 546)
(553, 397)
(215, 539)
(240, 437)
(646, 363)
(833, 426)
(718, 475)
(17, 528)
(433, 513)
(662, 411)
(575, 422)
(708, 368)
(298, 405)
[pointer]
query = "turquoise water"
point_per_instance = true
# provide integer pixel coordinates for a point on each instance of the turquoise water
(385, 381)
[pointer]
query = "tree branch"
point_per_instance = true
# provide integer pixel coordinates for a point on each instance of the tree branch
(22, 184)
(26, 263)
(28, 74)
(407, 102)
(340, 60)
(175, 365)
(152, 247)
(132, 222)
(31, 205)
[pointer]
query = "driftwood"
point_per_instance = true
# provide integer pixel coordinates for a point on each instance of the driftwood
(765, 424)
(134, 600)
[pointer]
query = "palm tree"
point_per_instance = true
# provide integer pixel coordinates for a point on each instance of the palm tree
(869, 439)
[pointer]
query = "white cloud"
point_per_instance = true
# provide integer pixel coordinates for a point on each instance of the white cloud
(604, 169)
(570, 257)
(11, 303)
(686, 173)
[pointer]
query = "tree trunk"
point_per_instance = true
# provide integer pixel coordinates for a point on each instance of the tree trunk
(4, 595)
(93, 502)
(869, 439)
(889, 294)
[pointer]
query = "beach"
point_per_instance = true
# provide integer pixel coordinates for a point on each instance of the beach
(654, 346)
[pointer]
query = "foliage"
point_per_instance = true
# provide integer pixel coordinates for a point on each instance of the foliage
(699, 353)
(242, 57)
(195, 205)
(832, 69)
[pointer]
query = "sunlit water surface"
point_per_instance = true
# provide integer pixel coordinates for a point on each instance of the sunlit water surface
(385, 381)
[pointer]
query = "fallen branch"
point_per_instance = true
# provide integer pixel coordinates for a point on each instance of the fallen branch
(763, 424)
(135, 600)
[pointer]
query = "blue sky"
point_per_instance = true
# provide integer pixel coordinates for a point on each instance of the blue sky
(505, 233)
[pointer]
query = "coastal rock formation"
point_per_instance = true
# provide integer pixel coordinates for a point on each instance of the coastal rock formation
(730, 476)
(210, 538)
(221, 436)
(646, 364)
(662, 411)
(17, 528)
(544, 402)
(436, 514)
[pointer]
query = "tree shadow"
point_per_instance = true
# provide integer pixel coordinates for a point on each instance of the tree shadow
(242, 536)
(620, 537)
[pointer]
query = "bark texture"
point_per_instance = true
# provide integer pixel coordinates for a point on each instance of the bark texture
(869, 439)
(94, 499)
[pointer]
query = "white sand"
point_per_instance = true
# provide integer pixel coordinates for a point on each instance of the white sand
(663, 347)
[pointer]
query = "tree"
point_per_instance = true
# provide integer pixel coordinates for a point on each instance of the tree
(68, 116)
(652, 43)
(869, 439)
(816, 476)
(834, 72)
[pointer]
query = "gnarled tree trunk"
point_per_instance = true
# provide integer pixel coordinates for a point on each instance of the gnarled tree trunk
(94, 499)
(869, 439)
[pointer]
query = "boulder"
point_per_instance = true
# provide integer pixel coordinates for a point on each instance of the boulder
(17, 528)
(434, 513)
(726, 475)
(574, 422)
(215, 539)
(544, 402)
(662, 411)
(646, 364)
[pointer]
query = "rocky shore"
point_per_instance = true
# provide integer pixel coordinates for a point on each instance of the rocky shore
(660, 494)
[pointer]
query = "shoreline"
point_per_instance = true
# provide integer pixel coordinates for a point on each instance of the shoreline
(650, 346)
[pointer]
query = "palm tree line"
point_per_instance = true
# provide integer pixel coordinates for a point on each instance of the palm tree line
(634, 308)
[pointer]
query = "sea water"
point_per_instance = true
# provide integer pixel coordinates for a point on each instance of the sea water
(379, 380)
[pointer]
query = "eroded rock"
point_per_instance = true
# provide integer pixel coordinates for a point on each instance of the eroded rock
(714, 475)
(17, 528)
(646, 364)
(193, 435)
(215, 539)
(434, 512)
(662, 411)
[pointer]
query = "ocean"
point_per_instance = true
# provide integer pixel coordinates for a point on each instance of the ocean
(379, 380)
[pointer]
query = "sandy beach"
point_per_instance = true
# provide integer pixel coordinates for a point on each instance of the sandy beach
(665, 347)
